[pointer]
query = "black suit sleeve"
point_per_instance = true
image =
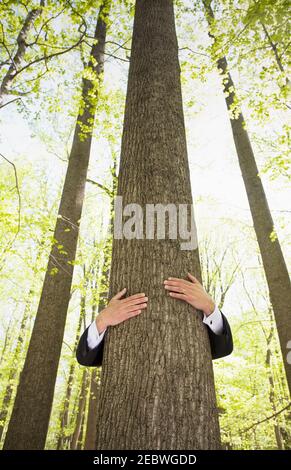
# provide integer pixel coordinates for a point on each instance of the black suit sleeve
(89, 357)
(221, 345)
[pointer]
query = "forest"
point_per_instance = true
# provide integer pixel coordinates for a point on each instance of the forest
(160, 101)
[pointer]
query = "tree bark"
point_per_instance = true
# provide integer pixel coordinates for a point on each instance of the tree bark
(157, 385)
(30, 416)
(275, 268)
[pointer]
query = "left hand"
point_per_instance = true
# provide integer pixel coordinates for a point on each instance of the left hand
(192, 292)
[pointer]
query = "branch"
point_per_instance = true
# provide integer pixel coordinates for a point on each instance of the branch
(119, 45)
(193, 52)
(104, 188)
(115, 57)
(9, 102)
(268, 417)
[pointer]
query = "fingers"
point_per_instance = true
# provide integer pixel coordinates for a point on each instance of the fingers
(119, 294)
(174, 281)
(133, 297)
(193, 278)
(134, 303)
(176, 288)
(177, 295)
(178, 283)
(135, 309)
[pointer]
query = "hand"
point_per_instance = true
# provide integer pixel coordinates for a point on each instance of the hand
(192, 292)
(119, 310)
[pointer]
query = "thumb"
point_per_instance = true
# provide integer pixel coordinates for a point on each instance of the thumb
(119, 294)
(193, 279)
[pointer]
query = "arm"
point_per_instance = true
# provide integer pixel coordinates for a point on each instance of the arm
(218, 328)
(221, 344)
(90, 348)
(91, 344)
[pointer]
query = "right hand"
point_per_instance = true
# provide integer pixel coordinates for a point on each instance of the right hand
(119, 310)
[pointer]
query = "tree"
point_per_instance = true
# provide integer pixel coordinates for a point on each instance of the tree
(30, 43)
(157, 388)
(272, 257)
(31, 412)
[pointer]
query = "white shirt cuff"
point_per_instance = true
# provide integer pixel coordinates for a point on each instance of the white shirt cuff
(94, 338)
(214, 321)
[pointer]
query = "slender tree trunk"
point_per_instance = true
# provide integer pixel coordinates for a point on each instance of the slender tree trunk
(65, 409)
(157, 384)
(81, 410)
(30, 416)
(15, 364)
(21, 49)
(272, 257)
(90, 438)
(275, 52)
(7, 335)
(272, 393)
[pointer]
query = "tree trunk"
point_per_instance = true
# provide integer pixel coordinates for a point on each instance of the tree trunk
(157, 384)
(30, 416)
(81, 410)
(65, 409)
(272, 257)
(90, 438)
(275, 52)
(18, 352)
(272, 392)
(21, 49)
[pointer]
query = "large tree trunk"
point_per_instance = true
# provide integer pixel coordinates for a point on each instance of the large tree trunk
(272, 257)
(157, 385)
(30, 417)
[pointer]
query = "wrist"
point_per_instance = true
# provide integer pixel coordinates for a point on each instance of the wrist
(101, 323)
(209, 308)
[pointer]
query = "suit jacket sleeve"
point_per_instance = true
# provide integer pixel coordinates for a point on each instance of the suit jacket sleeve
(89, 357)
(221, 345)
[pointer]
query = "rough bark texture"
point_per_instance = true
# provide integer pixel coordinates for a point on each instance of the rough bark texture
(275, 268)
(30, 416)
(157, 386)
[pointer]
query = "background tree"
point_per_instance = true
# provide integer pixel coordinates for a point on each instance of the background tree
(277, 275)
(36, 387)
